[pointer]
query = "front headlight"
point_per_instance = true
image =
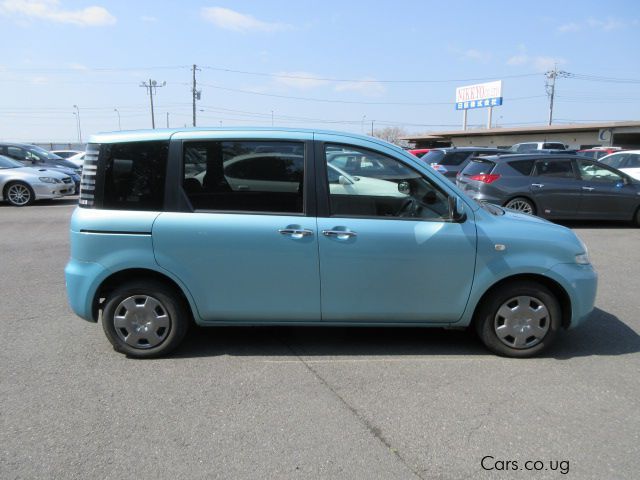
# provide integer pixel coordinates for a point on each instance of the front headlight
(583, 259)
(49, 180)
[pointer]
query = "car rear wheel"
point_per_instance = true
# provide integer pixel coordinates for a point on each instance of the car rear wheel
(522, 205)
(519, 319)
(145, 319)
(636, 218)
(19, 194)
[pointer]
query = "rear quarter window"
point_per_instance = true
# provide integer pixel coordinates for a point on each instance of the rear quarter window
(522, 166)
(478, 166)
(133, 175)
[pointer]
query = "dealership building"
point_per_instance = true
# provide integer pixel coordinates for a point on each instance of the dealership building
(577, 136)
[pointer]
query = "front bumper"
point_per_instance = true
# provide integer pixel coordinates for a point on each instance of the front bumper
(52, 190)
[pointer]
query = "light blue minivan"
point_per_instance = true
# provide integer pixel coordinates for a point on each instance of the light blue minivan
(257, 226)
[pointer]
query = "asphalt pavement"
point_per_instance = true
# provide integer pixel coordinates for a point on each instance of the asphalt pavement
(307, 403)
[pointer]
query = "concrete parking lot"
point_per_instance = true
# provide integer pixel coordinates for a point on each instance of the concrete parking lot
(309, 402)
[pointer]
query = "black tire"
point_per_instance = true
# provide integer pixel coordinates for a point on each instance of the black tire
(24, 188)
(636, 218)
(171, 309)
(488, 319)
(527, 205)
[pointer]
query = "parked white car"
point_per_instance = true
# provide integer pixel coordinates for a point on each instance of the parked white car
(531, 147)
(78, 158)
(21, 186)
(237, 175)
(627, 161)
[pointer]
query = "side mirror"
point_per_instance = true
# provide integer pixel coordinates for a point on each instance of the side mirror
(456, 206)
(342, 180)
(404, 187)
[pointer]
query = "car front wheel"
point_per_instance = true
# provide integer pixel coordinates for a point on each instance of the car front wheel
(19, 194)
(144, 319)
(519, 319)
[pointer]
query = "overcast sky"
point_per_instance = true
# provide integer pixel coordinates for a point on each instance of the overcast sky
(330, 64)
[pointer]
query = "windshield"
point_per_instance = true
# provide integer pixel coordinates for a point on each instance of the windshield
(434, 156)
(491, 208)
(9, 163)
(613, 160)
(42, 153)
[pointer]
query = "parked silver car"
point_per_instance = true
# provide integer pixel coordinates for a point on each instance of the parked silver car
(21, 186)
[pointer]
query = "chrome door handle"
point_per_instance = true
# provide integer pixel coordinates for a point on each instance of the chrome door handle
(339, 234)
(296, 232)
(588, 189)
(539, 185)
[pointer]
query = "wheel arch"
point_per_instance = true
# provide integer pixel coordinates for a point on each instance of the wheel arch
(555, 288)
(114, 280)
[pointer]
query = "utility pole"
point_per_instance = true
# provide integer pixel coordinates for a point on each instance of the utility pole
(550, 87)
(167, 119)
(196, 94)
(372, 127)
(118, 112)
(151, 89)
(77, 114)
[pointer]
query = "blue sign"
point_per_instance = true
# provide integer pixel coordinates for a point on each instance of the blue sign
(484, 103)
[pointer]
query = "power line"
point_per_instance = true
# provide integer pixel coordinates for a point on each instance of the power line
(597, 78)
(355, 80)
(349, 102)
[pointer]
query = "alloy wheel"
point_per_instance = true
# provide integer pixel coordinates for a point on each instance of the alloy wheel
(19, 194)
(520, 205)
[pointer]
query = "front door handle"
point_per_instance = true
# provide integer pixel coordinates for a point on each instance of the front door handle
(296, 232)
(339, 234)
(539, 185)
(588, 189)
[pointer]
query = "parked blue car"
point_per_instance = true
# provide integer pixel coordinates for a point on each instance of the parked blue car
(251, 227)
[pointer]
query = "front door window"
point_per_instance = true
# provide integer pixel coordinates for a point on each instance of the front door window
(363, 183)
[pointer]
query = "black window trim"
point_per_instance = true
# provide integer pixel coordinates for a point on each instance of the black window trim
(179, 201)
(322, 192)
(574, 167)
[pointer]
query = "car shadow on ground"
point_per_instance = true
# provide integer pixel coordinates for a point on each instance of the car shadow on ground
(603, 334)
(70, 201)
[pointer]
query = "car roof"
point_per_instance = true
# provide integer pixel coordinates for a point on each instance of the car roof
(167, 133)
(467, 149)
(17, 144)
(532, 156)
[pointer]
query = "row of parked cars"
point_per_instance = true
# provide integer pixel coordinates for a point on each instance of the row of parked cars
(547, 181)
(29, 173)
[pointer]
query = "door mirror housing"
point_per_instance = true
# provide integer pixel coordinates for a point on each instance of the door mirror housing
(456, 207)
(342, 180)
